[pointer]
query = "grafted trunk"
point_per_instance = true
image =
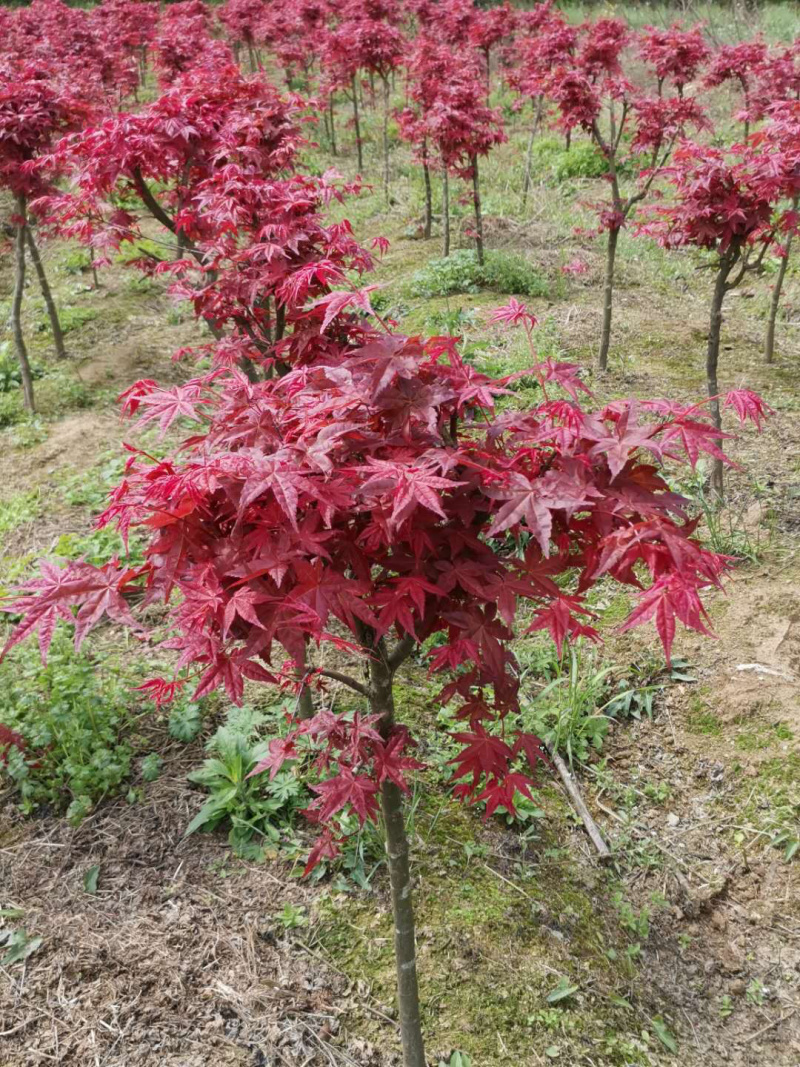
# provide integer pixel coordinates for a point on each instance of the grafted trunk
(712, 361)
(476, 197)
(16, 307)
(397, 851)
(775, 303)
(608, 298)
(44, 285)
(445, 213)
(357, 125)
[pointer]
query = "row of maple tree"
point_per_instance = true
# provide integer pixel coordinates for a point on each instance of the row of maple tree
(349, 497)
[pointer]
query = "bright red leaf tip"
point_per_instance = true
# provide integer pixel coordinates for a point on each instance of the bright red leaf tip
(748, 405)
(514, 313)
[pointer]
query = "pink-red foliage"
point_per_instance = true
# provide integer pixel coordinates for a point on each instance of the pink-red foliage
(676, 54)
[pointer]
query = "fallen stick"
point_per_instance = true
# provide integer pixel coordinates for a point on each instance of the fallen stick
(574, 795)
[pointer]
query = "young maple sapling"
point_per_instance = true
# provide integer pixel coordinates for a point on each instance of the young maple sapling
(593, 95)
(367, 500)
(34, 111)
(729, 205)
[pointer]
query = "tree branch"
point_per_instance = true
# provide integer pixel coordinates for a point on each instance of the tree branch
(150, 202)
(345, 679)
(401, 651)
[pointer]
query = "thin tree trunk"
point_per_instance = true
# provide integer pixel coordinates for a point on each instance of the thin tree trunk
(382, 704)
(332, 120)
(44, 285)
(445, 212)
(528, 163)
(608, 299)
(305, 702)
(426, 174)
(769, 342)
(386, 138)
(357, 124)
(476, 197)
(16, 307)
(712, 361)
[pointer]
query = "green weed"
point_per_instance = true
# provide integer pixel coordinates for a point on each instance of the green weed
(72, 715)
(460, 272)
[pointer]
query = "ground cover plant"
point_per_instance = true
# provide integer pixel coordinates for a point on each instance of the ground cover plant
(377, 509)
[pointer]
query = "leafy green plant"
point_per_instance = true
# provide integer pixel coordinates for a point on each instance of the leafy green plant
(151, 766)
(72, 318)
(72, 715)
(460, 272)
(456, 1059)
(582, 160)
(255, 810)
(185, 722)
(10, 374)
(570, 712)
(292, 917)
(555, 164)
(99, 546)
(18, 946)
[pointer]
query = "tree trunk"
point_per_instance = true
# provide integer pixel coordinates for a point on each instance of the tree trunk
(16, 307)
(476, 197)
(44, 285)
(769, 343)
(528, 162)
(712, 360)
(332, 119)
(382, 704)
(608, 299)
(445, 212)
(305, 702)
(386, 138)
(357, 125)
(426, 174)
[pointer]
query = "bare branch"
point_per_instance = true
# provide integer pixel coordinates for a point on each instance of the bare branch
(401, 651)
(345, 679)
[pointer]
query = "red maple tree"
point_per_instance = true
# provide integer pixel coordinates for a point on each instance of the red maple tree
(34, 111)
(367, 500)
(727, 204)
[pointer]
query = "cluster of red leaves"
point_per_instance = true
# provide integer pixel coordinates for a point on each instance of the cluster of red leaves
(35, 110)
(195, 132)
(676, 54)
(91, 51)
(727, 200)
(450, 113)
(372, 496)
